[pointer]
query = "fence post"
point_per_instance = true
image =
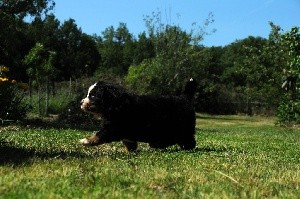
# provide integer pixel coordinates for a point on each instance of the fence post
(70, 87)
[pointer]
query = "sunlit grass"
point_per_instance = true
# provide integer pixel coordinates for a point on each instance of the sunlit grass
(236, 157)
(209, 121)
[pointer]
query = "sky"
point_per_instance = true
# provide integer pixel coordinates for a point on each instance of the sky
(233, 19)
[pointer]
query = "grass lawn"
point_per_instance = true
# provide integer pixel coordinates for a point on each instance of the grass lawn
(236, 157)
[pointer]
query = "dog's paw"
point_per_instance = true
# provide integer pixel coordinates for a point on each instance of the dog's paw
(91, 141)
(85, 142)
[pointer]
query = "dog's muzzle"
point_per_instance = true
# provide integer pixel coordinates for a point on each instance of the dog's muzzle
(85, 104)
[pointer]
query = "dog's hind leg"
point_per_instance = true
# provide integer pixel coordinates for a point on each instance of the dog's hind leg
(130, 145)
(160, 145)
(188, 143)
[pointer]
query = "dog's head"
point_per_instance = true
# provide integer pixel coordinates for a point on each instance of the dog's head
(88, 104)
(103, 99)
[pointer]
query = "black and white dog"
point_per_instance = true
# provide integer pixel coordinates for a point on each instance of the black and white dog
(161, 121)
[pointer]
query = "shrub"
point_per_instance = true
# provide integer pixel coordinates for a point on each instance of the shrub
(11, 97)
(289, 108)
(288, 111)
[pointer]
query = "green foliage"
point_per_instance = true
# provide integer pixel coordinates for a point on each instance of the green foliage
(289, 109)
(40, 62)
(144, 49)
(78, 53)
(13, 43)
(236, 157)
(117, 50)
(250, 67)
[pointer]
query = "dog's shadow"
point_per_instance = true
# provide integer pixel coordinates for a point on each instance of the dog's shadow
(14, 155)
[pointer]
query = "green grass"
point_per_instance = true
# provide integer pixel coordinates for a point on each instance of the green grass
(236, 157)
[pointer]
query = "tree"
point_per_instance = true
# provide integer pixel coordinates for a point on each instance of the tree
(289, 109)
(26, 7)
(89, 56)
(41, 69)
(117, 50)
(173, 63)
(177, 57)
(251, 72)
(70, 46)
(144, 49)
(46, 31)
(14, 43)
(78, 53)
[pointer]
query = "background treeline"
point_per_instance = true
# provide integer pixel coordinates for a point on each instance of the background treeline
(245, 76)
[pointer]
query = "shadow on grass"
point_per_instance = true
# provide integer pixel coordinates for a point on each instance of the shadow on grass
(86, 125)
(15, 156)
(19, 156)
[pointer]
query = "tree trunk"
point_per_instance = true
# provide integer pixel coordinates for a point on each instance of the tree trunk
(70, 87)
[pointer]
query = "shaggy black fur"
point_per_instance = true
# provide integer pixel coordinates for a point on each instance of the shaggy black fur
(160, 121)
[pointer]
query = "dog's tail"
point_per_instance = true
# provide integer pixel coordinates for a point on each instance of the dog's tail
(190, 88)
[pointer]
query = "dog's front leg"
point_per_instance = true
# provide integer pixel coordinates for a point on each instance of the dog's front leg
(93, 140)
(130, 145)
(106, 134)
